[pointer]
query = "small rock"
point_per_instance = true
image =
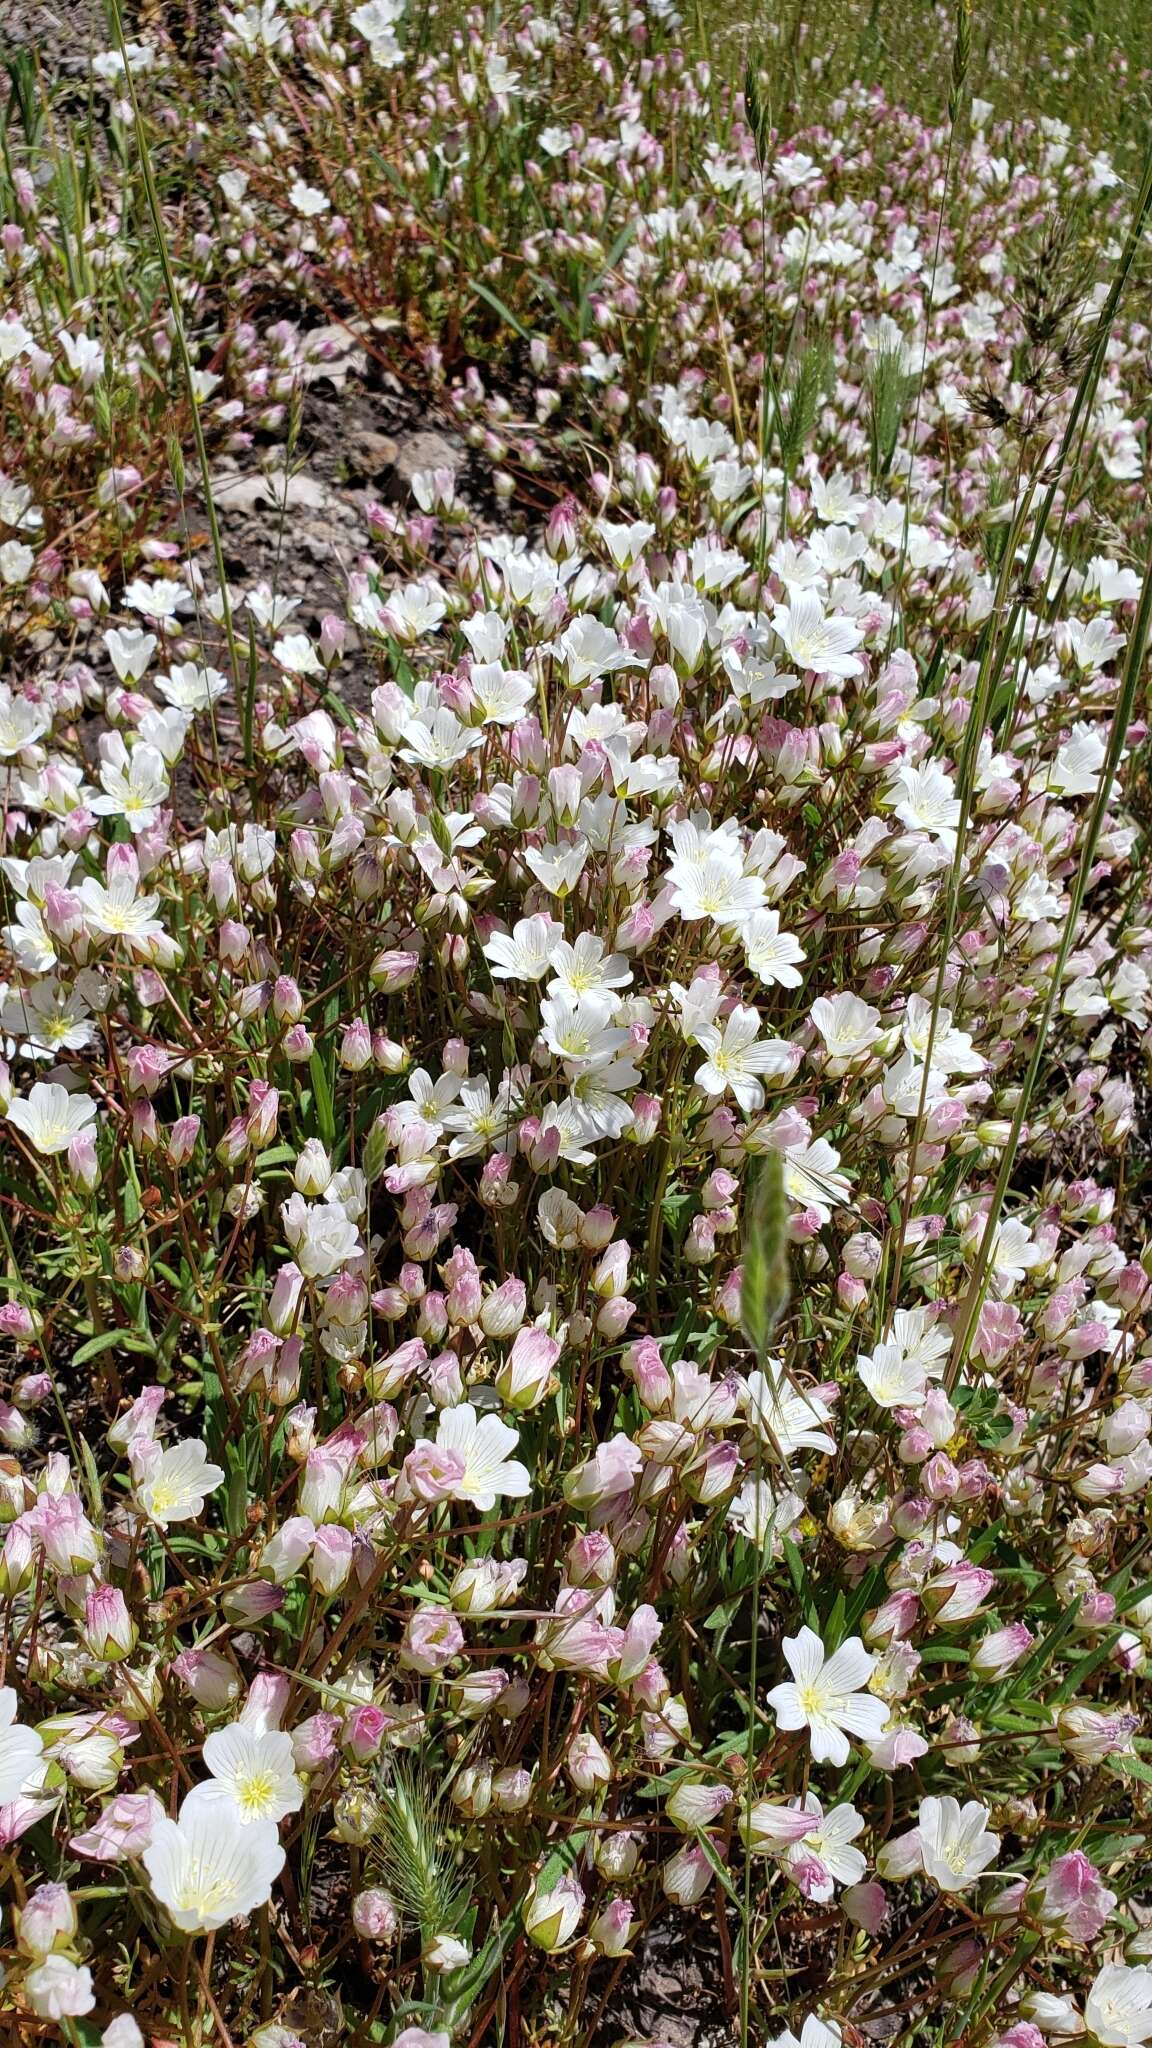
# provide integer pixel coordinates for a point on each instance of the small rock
(271, 487)
(369, 454)
(425, 450)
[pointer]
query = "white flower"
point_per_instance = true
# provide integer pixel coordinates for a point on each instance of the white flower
(928, 801)
(253, 1775)
(19, 1748)
(526, 952)
(21, 722)
(500, 693)
(206, 1870)
(47, 1019)
(1076, 769)
(586, 968)
(955, 1845)
(321, 1235)
(308, 199)
(812, 1178)
(893, 1380)
(590, 649)
(827, 1696)
(813, 2034)
(787, 1417)
(1014, 1253)
(1118, 2008)
(50, 1117)
(119, 912)
(176, 1481)
(824, 1858)
(815, 642)
(483, 1443)
(135, 785)
(59, 1989)
(848, 1025)
(924, 1341)
(772, 955)
(16, 560)
(190, 687)
(737, 1056)
(707, 879)
(581, 1033)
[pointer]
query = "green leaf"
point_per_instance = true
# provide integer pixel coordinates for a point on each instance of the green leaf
(705, 1842)
(111, 1340)
(322, 1096)
(236, 1501)
(498, 306)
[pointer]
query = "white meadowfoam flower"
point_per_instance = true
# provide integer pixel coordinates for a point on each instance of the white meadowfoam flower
(586, 968)
(253, 1775)
(161, 600)
(189, 686)
(590, 650)
(786, 1417)
(826, 1695)
(927, 801)
(50, 1117)
(706, 877)
(812, 1178)
(815, 641)
(1076, 769)
(175, 1482)
(526, 952)
(813, 2034)
(442, 743)
(21, 722)
(207, 1870)
(130, 650)
(924, 1342)
(849, 1027)
(47, 1020)
(737, 1056)
(772, 955)
(823, 1857)
(952, 1050)
(955, 1844)
(581, 1033)
(1118, 2008)
(135, 785)
(483, 1443)
(558, 868)
(500, 693)
(19, 1748)
(59, 1989)
(893, 1380)
(119, 912)
(322, 1236)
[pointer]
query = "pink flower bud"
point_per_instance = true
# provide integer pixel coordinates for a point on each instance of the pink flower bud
(374, 1916)
(355, 1046)
(866, 1905)
(610, 1930)
(314, 1742)
(109, 1630)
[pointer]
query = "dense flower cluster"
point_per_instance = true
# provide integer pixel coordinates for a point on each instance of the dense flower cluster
(576, 1348)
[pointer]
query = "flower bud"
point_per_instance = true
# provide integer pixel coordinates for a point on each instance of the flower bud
(48, 1921)
(552, 1917)
(374, 1916)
